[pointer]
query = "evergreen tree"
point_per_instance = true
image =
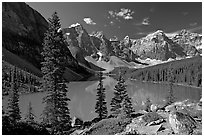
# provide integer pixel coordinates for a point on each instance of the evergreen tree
(55, 55)
(30, 115)
(13, 102)
(127, 108)
(119, 95)
(101, 108)
(170, 97)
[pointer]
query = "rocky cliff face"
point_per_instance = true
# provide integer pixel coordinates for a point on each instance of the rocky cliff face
(190, 42)
(77, 36)
(156, 45)
(23, 30)
(83, 44)
(159, 46)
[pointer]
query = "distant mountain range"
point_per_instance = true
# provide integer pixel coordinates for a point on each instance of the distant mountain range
(23, 30)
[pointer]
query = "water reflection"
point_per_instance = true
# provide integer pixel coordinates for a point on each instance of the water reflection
(83, 96)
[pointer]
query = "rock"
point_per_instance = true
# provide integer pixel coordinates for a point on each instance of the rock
(157, 122)
(76, 122)
(137, 129)
(154, 107)
(149, 130)
(181, 123)
(187, 107)
(23, 31)
(131, 129)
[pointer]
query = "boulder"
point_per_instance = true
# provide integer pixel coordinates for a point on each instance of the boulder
(182, 123)
(149, 130)
(157, 122)
(187, 107)
(154, 107)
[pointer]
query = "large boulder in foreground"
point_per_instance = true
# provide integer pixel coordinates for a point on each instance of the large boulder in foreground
(182, 124)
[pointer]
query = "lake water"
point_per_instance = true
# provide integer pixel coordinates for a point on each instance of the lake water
(83, 96)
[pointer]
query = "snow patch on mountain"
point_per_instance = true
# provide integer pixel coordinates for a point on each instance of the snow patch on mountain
(74, 25)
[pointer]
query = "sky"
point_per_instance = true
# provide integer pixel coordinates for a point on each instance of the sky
(135, 19)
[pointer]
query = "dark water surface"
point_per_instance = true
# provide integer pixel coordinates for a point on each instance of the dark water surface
(83, 96)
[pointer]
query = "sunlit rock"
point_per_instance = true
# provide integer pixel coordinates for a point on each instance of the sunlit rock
(181, 123)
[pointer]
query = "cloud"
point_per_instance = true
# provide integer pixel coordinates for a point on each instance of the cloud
(193, 24)
(142, 33)
(123, 13)
(89, 21)
(195, 29)
(145, 22)
(199, 28)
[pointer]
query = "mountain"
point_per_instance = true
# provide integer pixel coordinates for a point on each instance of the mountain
(160, 46)
(86, 44)
(23, 31)
(191, 42)
(157, 46)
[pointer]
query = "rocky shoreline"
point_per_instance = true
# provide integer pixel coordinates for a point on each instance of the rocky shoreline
(179, 118)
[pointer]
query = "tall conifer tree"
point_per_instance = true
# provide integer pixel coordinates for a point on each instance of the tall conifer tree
(13, 102)
(30, 115)
(170, 97)
(55, 55)
(120, 95)
(101, 108)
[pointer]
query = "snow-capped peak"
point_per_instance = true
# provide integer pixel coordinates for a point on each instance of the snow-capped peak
(74, 25)
(158, 32)
(171, 35)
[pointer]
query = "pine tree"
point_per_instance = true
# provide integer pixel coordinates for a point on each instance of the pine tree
(170, 97)
(127, 108)
(119, 95)
(13, 102)
(30, 115)
(101, 108)
(55, 55)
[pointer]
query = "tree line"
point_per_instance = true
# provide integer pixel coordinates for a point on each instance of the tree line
(185, 71)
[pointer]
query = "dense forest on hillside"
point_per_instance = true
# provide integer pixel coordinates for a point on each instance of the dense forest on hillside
(185, 71)
(27, 81)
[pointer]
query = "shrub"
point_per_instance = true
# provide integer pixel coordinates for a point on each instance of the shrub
(23, 128)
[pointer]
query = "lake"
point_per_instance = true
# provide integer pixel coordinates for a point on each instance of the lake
(83, 96)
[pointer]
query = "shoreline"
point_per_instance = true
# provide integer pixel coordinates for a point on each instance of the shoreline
(175, 84)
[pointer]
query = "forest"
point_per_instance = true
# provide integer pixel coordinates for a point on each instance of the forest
(185, 71)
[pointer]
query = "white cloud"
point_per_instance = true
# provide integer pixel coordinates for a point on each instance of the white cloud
(193, 24)
(123, 13)
(89, 21)
(199, 28)
(146, 21)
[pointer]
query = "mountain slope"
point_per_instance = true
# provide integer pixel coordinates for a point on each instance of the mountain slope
(23, 30)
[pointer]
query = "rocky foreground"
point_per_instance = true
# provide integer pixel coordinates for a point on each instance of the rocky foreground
(180, 118)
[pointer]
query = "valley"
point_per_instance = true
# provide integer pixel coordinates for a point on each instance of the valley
(74, 79)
